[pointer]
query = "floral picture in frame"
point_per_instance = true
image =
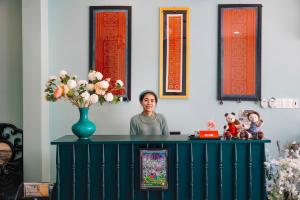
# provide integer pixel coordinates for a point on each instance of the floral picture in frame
(110, 44)
(239, 52)
(154, 169)
(174, 52)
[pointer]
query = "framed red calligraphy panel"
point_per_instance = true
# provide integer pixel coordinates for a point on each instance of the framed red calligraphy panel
(239, 52)
(110, 44)
(174, 52)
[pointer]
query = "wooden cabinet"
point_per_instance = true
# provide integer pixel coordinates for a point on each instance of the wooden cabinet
(108, 167)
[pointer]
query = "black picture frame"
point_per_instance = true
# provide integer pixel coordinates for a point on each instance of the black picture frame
(150, 158)
(239, 76)
(126, 64)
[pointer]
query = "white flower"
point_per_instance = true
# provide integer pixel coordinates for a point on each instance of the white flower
(51, 78)
(104, 84)
(283, 173)
(119, 83)
(85, 95)
(90, 87)
(62, 73)
(94, 98)
(71, 84)
(81, 93)
(108, 97)
(99, 76)
(92, 75)
(82, 82)
(121, 99)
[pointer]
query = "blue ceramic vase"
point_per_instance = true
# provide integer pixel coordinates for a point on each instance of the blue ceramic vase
(84, 128)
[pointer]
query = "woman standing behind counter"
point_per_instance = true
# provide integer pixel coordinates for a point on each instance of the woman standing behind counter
(148, 122)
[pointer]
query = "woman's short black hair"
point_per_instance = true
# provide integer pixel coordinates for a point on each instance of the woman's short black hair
(142, 95)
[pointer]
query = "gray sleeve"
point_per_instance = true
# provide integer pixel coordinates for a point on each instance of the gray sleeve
(165, 130)
(133, 127)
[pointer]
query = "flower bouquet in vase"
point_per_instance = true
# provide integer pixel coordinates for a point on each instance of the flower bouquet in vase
(83, 94)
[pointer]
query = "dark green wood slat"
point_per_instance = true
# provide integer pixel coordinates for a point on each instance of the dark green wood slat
(118, 171)
(206, 172)
(147, 190)
(74, 171)
(132, 171)
(192, 171)
(235, 172)
(103, 172)
(264, 172)
(250, 171)
(58, 172)
(177, 175)
(221, 171)
(147, 193)
(162, 192)
(88, 173)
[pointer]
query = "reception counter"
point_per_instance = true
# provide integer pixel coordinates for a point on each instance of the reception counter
(108, 167)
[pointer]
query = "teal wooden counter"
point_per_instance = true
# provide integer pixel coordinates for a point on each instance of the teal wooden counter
(108, 167)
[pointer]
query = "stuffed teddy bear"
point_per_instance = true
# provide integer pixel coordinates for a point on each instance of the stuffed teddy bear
(255, 123)
(232, 127)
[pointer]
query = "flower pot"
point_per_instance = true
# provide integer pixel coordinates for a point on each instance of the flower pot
(84, 128)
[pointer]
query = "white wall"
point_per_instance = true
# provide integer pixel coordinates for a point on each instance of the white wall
(35, 73)
(68, 49)
(11, 62)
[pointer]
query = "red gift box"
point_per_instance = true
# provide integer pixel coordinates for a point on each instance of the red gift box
(208, 134)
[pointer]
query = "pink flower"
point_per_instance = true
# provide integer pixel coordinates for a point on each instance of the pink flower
(58, 92)
(98, 89)
(104, 84)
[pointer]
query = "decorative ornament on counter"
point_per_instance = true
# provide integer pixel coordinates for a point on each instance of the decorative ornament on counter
(246, 127)
(211, 125)
(209, 133)
(233, 127)
(255, 125)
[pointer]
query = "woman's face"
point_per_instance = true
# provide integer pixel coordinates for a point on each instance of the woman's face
(148, 103)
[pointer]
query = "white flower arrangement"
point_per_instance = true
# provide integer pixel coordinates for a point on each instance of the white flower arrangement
(283, 174)
(82, 93)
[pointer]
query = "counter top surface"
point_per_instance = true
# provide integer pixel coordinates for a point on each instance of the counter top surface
(94, 139)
